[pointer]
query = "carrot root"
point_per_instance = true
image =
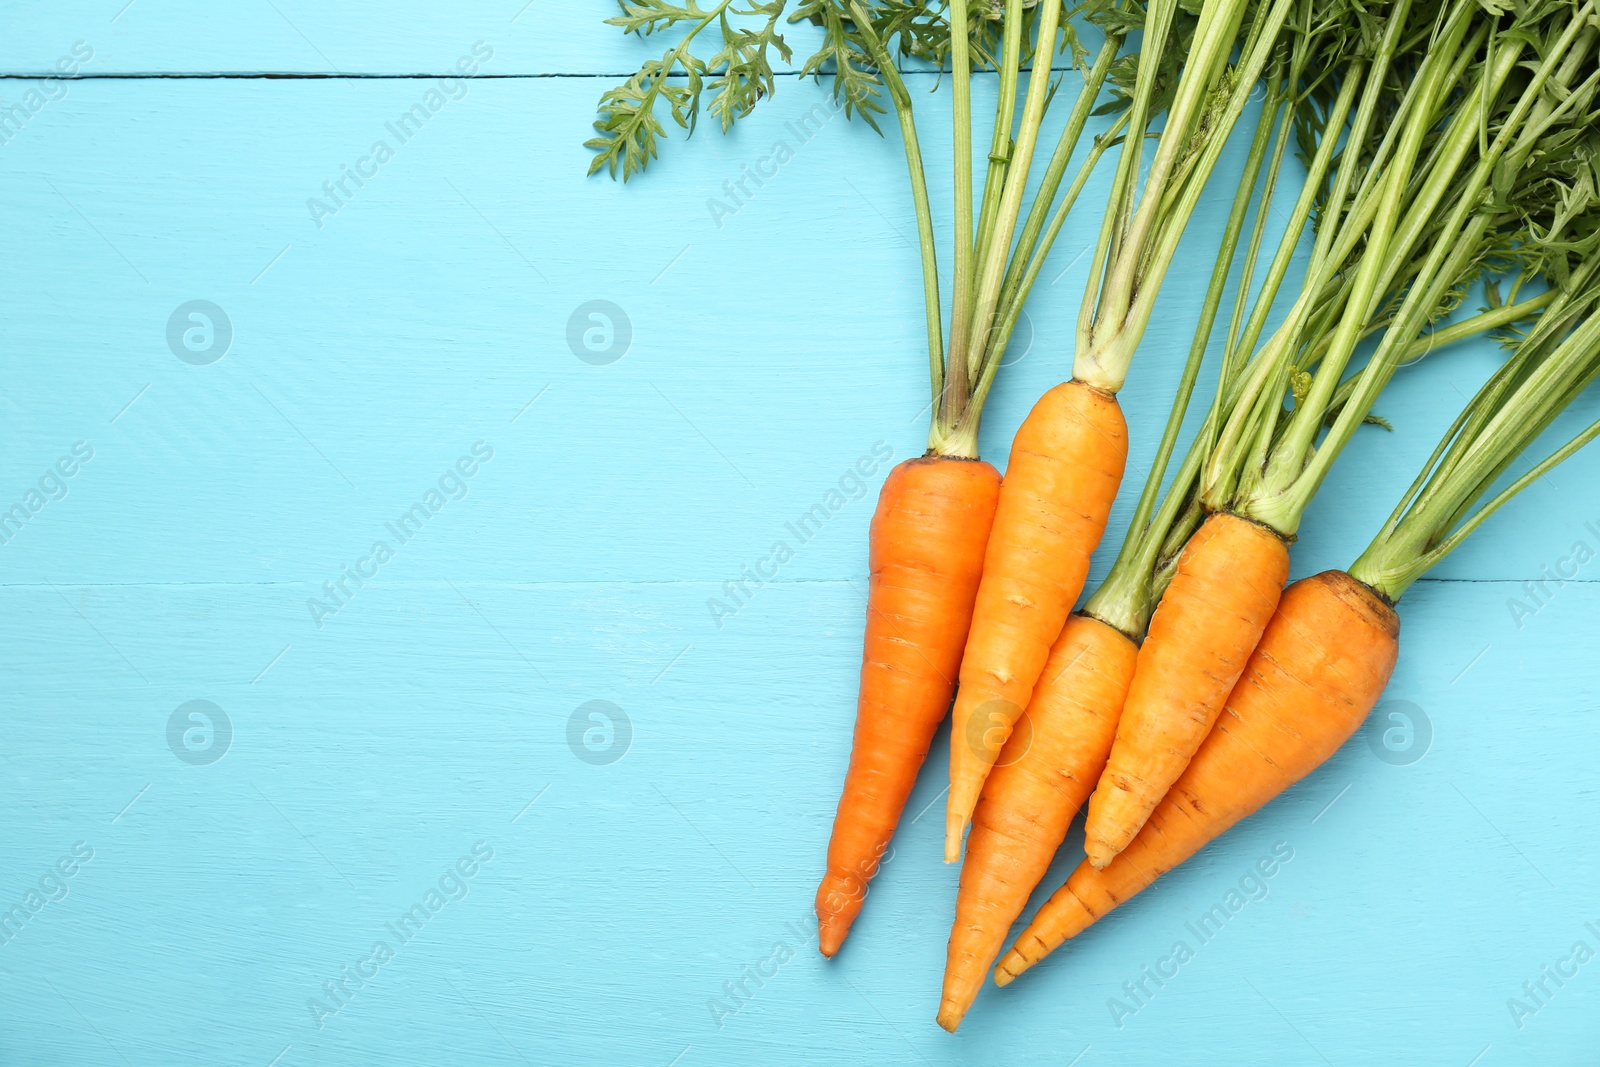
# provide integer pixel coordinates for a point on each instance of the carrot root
(1066, 464)
(1226, 586)
(928, 537)
(1319, 669)
(1039, 782)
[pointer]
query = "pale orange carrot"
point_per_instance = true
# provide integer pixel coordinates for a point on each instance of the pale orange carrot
(1039, 782)
(1066, 464)
(1226, 586)
(927, 546)
(1318, 671)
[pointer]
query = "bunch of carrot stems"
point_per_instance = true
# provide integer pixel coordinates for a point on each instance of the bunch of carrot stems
(1446, 144)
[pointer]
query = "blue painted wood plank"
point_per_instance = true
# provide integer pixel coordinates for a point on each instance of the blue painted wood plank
(295, 36)
(623, 898)
(426, 313)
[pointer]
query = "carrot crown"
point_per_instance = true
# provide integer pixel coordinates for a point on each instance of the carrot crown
(1550, 366)
(1139, 234)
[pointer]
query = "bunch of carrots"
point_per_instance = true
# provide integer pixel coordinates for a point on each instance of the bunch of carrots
(1449, 147)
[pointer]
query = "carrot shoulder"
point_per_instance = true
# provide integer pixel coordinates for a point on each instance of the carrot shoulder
(927, 543)
(1038, 784)
(1066, 464)
(1226, 586)
(1318, 671)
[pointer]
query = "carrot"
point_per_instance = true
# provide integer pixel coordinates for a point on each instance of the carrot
(1066, 464)
(927, 543)
(1319, 669)
(1225, 589)
(1040, 781)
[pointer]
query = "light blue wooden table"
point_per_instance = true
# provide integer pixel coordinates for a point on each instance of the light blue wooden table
(392, 833)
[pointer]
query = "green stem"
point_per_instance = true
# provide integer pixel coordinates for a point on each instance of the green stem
(1114, 223)
(1186, 196)
(1213, 38)
(1436, 340)
(1296, 472)
(1015, 294)
(1127, 298)
(1028, 247)
(1259, 453)
(955, 400)
(1000, 144)
(1303, 208)
(919, 196)
(1566, 308)
(1013, 307)
(992, 260)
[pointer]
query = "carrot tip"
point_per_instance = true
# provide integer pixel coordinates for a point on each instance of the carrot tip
(949, 1018)
(1011, 966)
(829, 938)
(1100, 853)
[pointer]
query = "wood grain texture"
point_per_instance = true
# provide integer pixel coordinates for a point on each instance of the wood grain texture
(360, 38)
(371, 752)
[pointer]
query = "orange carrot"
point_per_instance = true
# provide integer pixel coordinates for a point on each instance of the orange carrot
(1320, 668)
(927, 545)
(1066, 464)
(1226, 587)
(1039, 782)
